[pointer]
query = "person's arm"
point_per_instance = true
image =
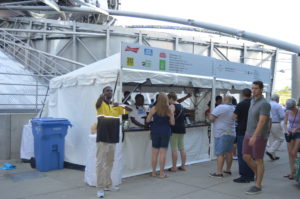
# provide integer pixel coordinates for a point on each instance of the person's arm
(124, 106)
(134, 121)
(237, 112)
(270, 123)
(172, 107)
(171, 116)
(184, 98)
(264, 115)
(261, 122)
(286, 117)
(99, 101)
(234, 116)
(215, 113)
(294, 130)
(127, 108)
(212, 117)
(207, 112)
(150, 115)
(281, 113)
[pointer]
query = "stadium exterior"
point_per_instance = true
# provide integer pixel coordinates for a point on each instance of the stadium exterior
(50, 47)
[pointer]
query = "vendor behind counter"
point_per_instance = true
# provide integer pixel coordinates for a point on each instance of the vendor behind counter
(138, 114)
(136, 118)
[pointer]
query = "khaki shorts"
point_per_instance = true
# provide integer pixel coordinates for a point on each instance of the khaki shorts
(176, 142)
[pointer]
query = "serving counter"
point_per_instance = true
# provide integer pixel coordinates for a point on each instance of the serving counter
(133, 156)
(138, 146)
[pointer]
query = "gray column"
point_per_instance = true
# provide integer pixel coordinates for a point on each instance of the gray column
(273, 72)
(295, 76)
(107, 50)
(5, 137)
(211, 49)
(176, 43)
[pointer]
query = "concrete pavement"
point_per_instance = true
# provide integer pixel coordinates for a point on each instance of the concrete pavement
(27, 183)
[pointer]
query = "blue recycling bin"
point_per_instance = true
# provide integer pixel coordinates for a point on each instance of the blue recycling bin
(49, 142)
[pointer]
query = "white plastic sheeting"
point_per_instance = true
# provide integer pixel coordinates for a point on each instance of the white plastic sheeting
(138, 146)
(8, 85)
(134, 157)
(27, 143)
(90, 176)
(74, 95)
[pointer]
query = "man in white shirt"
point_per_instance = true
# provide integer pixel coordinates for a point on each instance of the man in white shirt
(276, 135)
(138, 114)
(224, 134)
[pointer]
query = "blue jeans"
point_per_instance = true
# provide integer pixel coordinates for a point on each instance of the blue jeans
(245, 172)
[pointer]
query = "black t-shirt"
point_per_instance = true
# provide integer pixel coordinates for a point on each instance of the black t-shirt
(179, 126)
(108, 130)
(241, 111)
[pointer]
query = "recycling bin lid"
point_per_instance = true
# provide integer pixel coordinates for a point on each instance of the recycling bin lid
(50, 120)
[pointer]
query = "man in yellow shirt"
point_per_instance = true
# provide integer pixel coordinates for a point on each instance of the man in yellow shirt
(108, 128)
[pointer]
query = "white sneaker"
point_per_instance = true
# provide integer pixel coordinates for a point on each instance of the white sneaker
(112, 188)
(100, 193)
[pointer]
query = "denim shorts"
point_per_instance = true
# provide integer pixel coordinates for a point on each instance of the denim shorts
(224, 144)
(160, 141)
(289, 137)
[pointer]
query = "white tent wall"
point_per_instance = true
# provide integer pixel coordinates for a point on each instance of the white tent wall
(77, 104)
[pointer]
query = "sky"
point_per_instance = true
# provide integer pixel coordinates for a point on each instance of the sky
(273, 18)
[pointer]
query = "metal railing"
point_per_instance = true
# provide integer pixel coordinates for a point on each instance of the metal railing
(17, 91)
(42, 64)
(30, 95)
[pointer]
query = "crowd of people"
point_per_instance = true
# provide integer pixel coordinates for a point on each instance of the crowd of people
(256, 126)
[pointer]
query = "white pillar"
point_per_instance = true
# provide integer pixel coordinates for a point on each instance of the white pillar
(295, 76)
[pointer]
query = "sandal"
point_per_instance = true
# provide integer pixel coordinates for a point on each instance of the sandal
(181, 168)
(290, 177)
(287, 176)
(171, 170)
(227, 172)
(164, 176)
(151, 175)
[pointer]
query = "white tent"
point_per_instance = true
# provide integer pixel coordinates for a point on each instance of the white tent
(73, 96)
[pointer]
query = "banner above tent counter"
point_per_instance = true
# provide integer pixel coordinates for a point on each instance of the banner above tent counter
(135, 56)
(140, 57)
(241, 72)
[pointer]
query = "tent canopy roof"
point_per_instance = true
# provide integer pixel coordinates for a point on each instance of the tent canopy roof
(106, 71)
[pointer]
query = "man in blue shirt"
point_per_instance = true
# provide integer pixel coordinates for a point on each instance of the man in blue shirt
(276, 134)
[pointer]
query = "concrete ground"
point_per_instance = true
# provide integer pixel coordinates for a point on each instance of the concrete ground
(26, 183)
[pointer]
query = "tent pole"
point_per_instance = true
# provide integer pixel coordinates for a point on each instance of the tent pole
(120, 85)
(212, 106)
